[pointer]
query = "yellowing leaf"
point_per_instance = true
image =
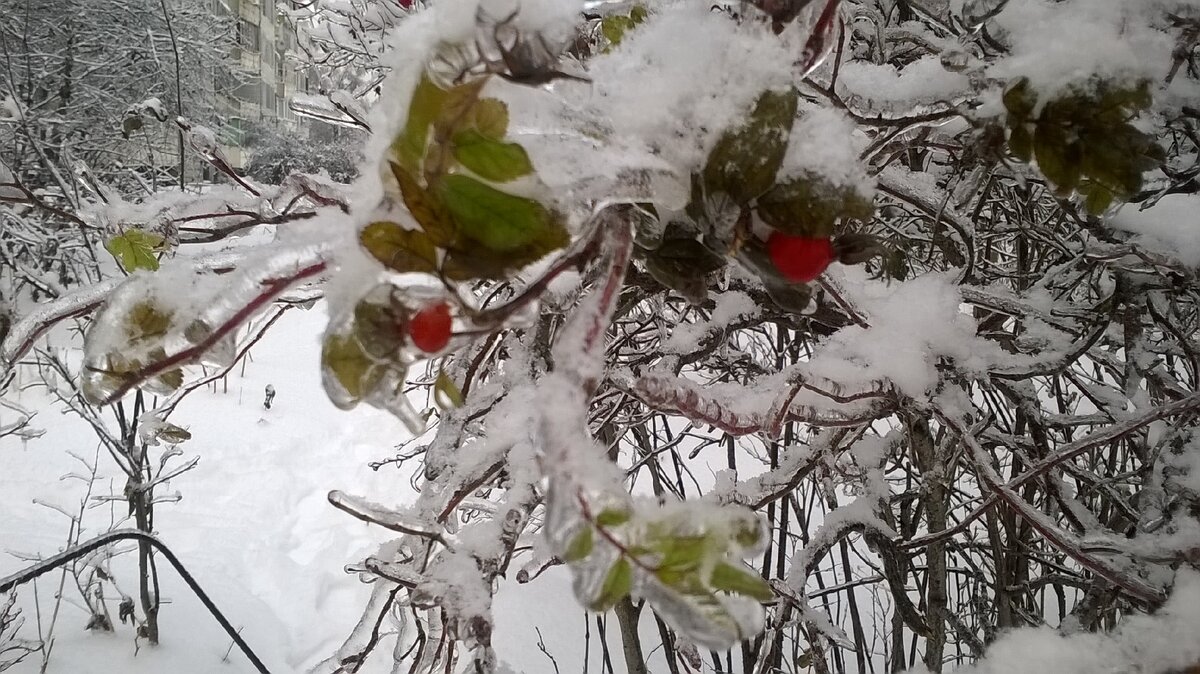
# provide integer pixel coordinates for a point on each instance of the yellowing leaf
(491, 117)
(135, 249)
(426, 101)
(146, 322)
(399, 249)
(424, 208)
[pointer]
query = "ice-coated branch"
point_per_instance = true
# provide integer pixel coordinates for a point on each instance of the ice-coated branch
(1130, 583)
(1109, 434)
(271, 289)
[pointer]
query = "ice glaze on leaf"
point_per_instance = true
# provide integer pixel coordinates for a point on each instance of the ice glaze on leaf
(729, 578)
(580, 546)
(612, 517)
(616, 587)
(499, 221)
(489, 158)
(399, 249)
(344, 359)
(135, 249)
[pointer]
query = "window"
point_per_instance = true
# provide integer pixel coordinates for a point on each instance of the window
(235, 131)
(248, 35)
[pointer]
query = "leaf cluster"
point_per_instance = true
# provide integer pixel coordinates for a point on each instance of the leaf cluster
(445, 165)
(1084, 141)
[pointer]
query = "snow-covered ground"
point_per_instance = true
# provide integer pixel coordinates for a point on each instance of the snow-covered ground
(253, 527)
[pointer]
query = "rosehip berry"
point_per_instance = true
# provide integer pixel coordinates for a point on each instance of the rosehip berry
(800, 259)
(429, 328)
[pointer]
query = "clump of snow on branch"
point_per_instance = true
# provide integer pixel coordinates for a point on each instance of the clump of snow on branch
(1171, 227)
(1058, 45)
(825, 143)
(1163, 642)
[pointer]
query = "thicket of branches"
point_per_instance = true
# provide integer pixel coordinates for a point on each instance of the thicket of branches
(984, 418)
(89, 82)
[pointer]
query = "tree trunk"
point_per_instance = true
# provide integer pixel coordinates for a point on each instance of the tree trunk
(631, 642)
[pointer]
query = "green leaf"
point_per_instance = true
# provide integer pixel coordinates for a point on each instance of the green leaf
(580, 546)
(491, 117)
(399, 249)
(343, 359)
(612, 517)
(745, 160)
(613, 28)
(445, 392)
(730, 578)
(1096, 197)
(499, 221)
(617, 585)
(682, 553)
(135, 249)
(1055, 158)
(491, 159)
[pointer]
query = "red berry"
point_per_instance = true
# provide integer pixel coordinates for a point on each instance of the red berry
(800, 259)
(429, 328)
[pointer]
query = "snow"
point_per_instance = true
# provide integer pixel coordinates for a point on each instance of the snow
(255, 528)
(1059, 45)
(1170, 227)
(730, 306)
(1163, 642)
(882, 85)
(10, 108)
(695, 85)
(912, 325)
(255, 524)
(825, 142)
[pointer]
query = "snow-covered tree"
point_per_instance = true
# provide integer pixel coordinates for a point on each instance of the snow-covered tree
(90, 81)
(825, 335)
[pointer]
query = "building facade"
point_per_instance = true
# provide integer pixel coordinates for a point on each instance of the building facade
(266, 80)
